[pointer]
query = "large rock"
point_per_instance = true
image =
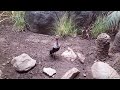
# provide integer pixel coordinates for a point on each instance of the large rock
(49, 71)
(81, 57)
(71, 74)
(83, 18)
(44, 21)
(41, 21)
(23, 62)
(101, 70)
(69, 54)
(115, 47)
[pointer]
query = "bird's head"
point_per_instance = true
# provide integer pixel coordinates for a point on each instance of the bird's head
(57, 37)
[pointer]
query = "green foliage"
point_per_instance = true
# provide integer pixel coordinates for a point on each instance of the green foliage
(113, 19)
(65, 27)
(109, 22)
(98, 27)
(4, 15)
(18, 18)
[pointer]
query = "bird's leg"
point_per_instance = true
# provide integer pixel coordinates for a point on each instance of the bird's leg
(53, 56)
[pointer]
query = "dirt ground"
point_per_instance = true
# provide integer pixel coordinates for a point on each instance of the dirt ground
(37, 46)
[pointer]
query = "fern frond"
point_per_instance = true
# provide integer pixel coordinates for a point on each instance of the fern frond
(113, 19)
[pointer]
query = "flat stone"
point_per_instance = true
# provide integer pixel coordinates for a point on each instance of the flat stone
(71, 74)
(84, 74)
(49, 71)
(23, 62)
(4, 64)
(81, 57)
(69, 54)
(101, 70)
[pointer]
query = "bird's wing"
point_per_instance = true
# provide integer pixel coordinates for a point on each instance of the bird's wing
(55, 46)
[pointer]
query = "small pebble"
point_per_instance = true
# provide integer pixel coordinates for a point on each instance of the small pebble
(1, 73)
(84, 74)
(7, 62)
(4, 64)
(39, 63)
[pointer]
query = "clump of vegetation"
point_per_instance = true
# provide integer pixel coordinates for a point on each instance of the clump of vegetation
(98, 27)
(65, 27)
(18, 19)
(113, 20)
(4, 15)
(105, 23)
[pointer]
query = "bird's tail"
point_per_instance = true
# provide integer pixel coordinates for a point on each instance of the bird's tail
(50, 52)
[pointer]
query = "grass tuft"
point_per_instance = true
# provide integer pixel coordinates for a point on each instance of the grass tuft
(65, 27)
(98, 27)
(18, 19)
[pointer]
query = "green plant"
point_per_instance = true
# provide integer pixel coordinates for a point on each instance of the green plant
(112, 20)
(99, 27)
(65, 27)
(18, 19)
(109, 22)
(4, 15)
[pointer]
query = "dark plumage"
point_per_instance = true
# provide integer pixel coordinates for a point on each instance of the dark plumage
(55, 48)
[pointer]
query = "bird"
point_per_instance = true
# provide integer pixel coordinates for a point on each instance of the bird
(55, 47)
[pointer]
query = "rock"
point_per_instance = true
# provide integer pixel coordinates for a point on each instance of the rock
(41, 21)
(1, 74)
(81, 57)
(49, 71)
(4, 64)
(83, 18)
(115, 47)
(84, 74)
(44, 21)
(115, 62)
(101, 70)
(39, 62)
(23, 62)
(71, 74)
(103, 44)
(116, 58)
(7, 62)
(69, 54)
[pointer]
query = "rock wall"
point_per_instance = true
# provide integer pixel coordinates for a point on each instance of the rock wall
(44, 21)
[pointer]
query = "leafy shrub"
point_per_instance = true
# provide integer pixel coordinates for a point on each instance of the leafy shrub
(18, 19)
(65, 27)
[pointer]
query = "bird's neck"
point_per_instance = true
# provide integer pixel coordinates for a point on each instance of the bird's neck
(57, 42)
